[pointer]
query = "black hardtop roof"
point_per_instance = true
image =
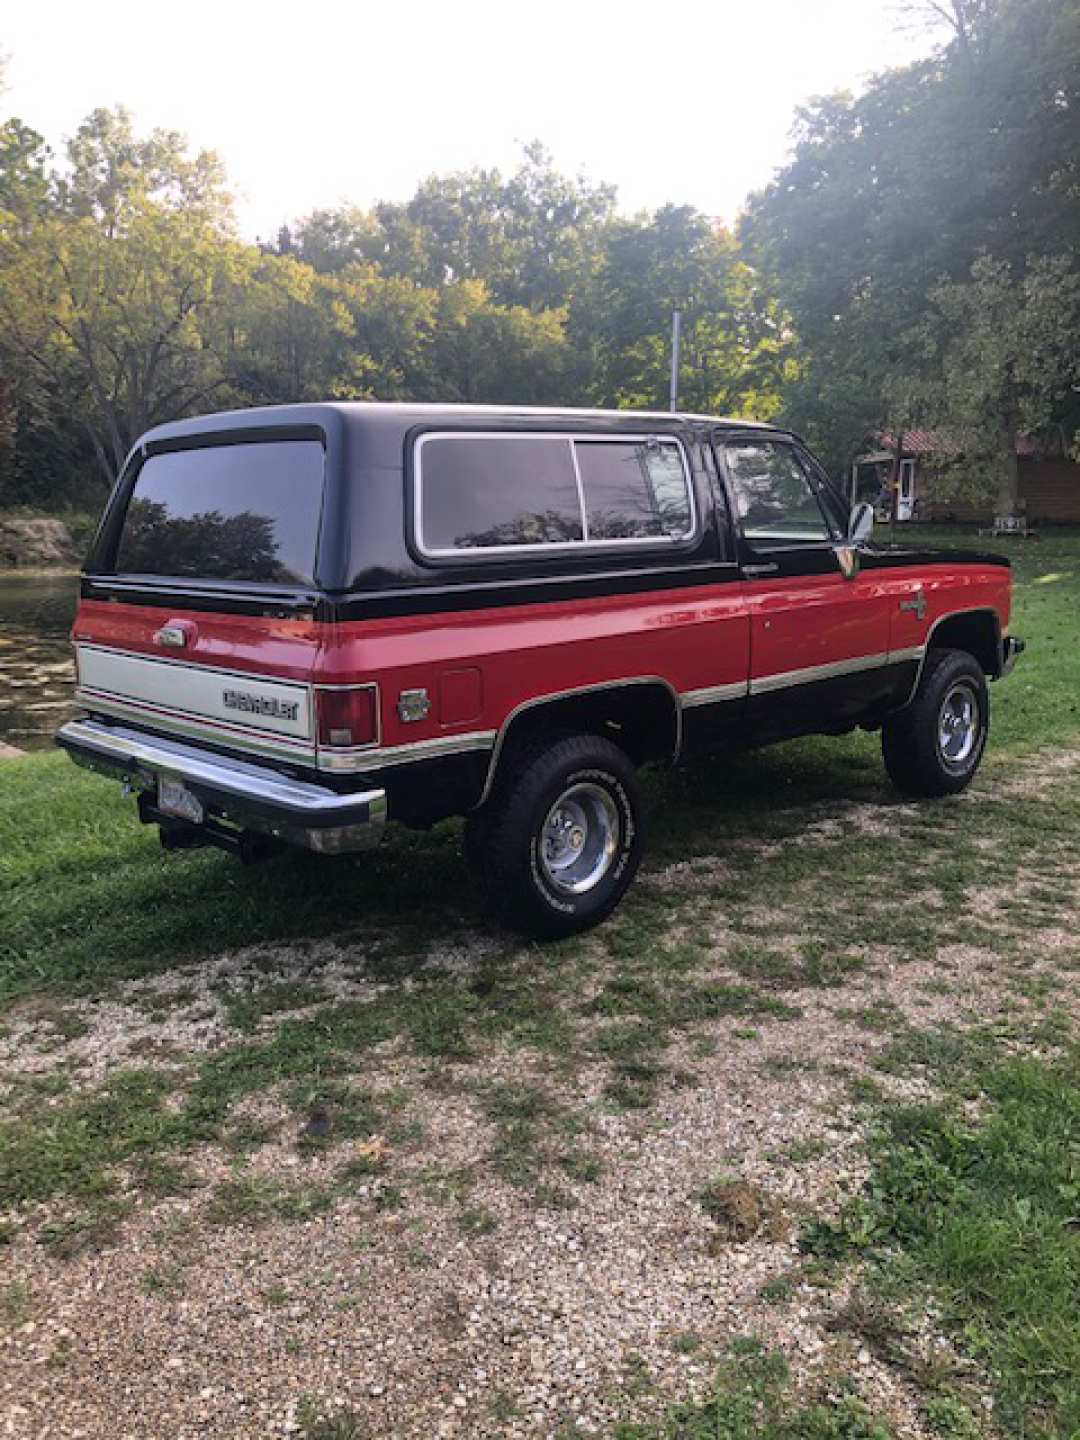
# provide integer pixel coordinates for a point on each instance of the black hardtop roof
(403, 416)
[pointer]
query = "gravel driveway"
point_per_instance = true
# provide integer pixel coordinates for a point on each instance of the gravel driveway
(424, 1290)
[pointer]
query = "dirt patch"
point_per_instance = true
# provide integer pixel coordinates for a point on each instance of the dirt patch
(742, 1212)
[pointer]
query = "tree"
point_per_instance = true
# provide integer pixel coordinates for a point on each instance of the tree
(1010, 357)
(483, 352)
(734, 341)
(888, 196)
(105, 296)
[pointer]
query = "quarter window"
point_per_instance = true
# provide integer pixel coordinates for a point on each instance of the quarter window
(493, 492)
(633, 491)
(773, 496)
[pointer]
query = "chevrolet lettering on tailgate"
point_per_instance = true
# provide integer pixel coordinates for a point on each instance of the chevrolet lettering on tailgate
(501, 613)
(269, 706)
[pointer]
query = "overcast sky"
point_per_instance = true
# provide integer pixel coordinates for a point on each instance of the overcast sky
(346, 100)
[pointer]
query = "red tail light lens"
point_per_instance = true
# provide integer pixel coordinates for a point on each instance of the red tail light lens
(348, 717)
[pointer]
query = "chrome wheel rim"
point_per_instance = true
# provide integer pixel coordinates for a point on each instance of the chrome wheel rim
(579, 838)
(959, 720)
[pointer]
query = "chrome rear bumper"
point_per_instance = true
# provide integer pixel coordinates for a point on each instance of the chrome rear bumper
(253, 796)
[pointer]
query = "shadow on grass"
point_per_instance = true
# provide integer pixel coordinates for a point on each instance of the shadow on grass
(88, 896)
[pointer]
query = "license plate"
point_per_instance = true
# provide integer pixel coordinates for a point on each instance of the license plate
(176, 799)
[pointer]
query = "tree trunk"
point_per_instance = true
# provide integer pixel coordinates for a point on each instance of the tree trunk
(1009, 474)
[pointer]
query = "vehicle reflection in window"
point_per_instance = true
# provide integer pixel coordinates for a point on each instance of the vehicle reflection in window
(772, 494)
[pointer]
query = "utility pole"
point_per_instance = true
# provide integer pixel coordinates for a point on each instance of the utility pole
(676, 328)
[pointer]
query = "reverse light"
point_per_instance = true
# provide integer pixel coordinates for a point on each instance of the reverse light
(347, 716)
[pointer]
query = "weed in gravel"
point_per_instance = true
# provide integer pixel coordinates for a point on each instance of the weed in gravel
(163, 1178)
(15, 1302)
(255, 1199)
(751, 1400)
(475, 1220)
(85, 1231)
(530, 1128)
(317, 1424)
(503, 1408)
(244, 1009)
(740, 1211)
(162, 1280)
(778, 1291)
(799, 1152)
(873, 1321)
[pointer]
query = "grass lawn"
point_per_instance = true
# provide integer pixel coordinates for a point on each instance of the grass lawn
(781, 886)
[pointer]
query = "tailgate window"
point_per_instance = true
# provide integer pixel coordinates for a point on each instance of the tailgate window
(227, 512)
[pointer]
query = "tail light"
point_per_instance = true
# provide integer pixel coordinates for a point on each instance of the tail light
(347, 716)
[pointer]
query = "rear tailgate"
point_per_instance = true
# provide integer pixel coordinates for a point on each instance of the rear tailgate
(199, 619)
(239, 681)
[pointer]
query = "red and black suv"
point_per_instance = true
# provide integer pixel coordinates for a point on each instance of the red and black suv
(298, 622)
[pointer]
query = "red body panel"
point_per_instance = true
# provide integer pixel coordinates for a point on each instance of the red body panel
(479, 666)
(689, 638)
(259, 644)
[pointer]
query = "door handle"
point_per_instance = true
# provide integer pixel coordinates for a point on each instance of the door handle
(771, 569)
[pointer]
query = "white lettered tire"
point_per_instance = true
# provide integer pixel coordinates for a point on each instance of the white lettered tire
(561, 838)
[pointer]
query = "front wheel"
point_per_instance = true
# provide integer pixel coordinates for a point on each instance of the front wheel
(561, 838)
(933, 746)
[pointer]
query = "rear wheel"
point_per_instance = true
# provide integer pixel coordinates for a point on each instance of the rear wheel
(934, 745)
(560, 840)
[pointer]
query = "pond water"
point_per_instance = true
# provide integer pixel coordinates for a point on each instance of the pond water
(37, 674)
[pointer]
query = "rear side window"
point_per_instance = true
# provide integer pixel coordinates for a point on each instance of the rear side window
(485, 492)
(227, 512)
(474, 492)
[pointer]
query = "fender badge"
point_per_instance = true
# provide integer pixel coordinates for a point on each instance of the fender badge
(413, 705)
(172, 636)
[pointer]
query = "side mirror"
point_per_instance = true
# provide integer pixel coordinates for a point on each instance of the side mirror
(861, 524)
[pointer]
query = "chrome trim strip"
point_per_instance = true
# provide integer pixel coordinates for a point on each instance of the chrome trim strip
(282, 747)
(714, 694)
(265, 796)
(345, 761)
(765, 684)
(913, 652)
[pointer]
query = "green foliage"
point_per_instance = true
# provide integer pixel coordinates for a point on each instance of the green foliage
(1009, 358)
(126, 299)
(750, 1400)
(901, 191)
(986, 1212)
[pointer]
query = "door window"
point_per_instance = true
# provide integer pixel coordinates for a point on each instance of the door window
(775, 502)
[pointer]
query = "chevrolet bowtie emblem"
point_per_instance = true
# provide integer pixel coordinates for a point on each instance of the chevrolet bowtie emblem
(917, 604)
